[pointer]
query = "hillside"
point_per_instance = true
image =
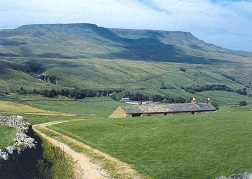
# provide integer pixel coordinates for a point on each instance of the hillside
(86, 56)
(88, 40)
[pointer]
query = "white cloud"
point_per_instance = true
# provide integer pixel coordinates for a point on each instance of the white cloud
(223, 23)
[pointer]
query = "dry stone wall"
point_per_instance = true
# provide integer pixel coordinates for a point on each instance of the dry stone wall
(21, 141)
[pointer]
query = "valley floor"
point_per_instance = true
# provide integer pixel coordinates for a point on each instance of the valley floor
(175, 146)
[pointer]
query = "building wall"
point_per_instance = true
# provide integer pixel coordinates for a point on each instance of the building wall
(171, 113)
(118, 113)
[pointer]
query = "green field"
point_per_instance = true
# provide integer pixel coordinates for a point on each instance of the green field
(13, 108)
(88, 107)
(225, 98)
(7, 136)
(60, 106)
(175, 146)
(179, 146)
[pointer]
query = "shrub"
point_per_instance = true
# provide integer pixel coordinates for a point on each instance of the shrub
(182, 69)
(243, 103)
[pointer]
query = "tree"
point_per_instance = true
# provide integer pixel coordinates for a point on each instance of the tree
(180, 100)
(182, 69)
(156, 98)
(50, 93)
(243, 103)
(242, 91)
(215, 104)
(138, 97)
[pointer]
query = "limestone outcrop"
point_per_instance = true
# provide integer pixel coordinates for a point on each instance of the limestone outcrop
(245, 175)
(21, 141)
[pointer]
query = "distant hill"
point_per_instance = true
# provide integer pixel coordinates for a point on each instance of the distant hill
(87, 56)
(87, 40)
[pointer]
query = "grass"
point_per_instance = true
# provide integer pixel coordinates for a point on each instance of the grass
(7, 136)
(179, 146)
(95, 73)
(112, 58)
(226, 98)
(99, 106)
(11, 108)
(55, 164)
(15, 79)
(38, 119)
(102, 73)
(112, 167)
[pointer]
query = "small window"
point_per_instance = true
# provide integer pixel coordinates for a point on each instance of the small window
(136, 114)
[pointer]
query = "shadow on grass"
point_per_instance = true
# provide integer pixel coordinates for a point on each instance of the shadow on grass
(148, 49)
(30, 164)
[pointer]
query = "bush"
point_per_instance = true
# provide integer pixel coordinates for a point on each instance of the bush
(182, 69)
(243, 103)
(242, 91)
(215, 104)
(156, 98)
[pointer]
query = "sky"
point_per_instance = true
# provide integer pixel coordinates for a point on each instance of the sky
(226, 23)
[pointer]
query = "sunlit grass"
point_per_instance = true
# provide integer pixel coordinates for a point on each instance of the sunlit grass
(55, 162)
(11, 108)
(7, 136)
(98, 106)
(179, 146)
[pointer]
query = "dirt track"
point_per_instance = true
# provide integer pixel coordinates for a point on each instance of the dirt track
(84, 167)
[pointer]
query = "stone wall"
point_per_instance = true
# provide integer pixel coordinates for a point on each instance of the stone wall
(118, 113)
(21, 141)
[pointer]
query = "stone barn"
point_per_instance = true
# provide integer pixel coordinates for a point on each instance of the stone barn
(162, 109)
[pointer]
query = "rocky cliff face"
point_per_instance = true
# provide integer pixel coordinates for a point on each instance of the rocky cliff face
(21, 141)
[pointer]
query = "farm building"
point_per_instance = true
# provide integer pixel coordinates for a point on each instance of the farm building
(162, 109)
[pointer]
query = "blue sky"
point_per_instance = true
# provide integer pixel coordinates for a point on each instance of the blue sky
(227, 23)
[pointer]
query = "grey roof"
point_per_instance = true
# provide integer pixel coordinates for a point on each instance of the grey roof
(168, 108)
(132, 109)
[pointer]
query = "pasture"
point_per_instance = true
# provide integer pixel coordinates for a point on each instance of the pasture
(173, 146)
(12, 108)
(178, 146)
(7, 136)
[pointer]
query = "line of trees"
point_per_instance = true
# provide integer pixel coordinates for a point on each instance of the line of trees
(71, 93)
(193, 89)
(156, 98)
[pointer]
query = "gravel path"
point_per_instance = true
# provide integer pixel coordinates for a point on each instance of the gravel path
(84, 167)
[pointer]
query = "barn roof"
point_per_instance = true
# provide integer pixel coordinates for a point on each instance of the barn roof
(168, 108)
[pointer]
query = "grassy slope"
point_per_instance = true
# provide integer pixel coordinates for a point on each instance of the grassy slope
(134, 75)
(187, 146)
(95, 73)
(87, 56)
(7, 136)
(11, 108)
(14, 80)
(226, 98)
(61, 106)
(150, 76)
